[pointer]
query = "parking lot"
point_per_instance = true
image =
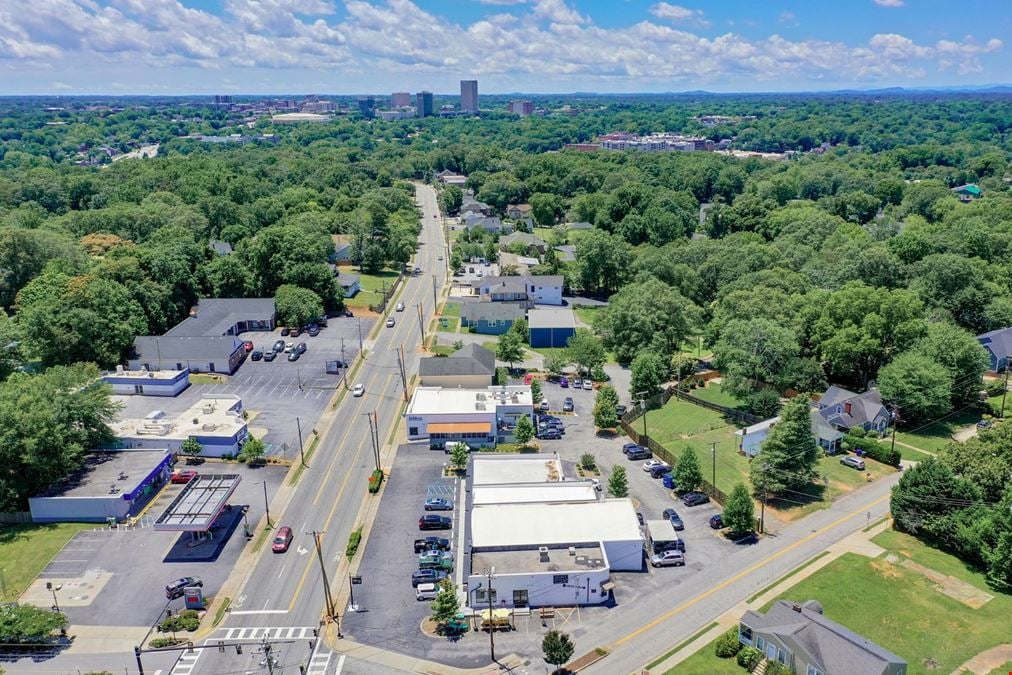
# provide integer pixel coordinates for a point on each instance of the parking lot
(117, 577)
(275, 393)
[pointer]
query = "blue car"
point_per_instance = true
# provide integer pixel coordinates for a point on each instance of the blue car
(676, 520)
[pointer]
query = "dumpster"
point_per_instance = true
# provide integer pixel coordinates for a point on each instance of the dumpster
(669, 481)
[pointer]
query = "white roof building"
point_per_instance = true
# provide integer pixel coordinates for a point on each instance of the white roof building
(215, 422)
(534, 493)
(512, 469)
(474, 416)
(542, 524)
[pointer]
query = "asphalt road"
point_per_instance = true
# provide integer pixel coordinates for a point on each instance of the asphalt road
(285, 590)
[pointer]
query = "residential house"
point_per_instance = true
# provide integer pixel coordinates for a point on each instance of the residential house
(519, 212)
(220, 247)
(490, 318)
(487, 223)
(531, 290)
(447, 177)
(751, 438)
(517, 263)
(968, 192)
(998, 344)
(532, 245)
(207, 340)
(845, 410)
(801, 638)
(342, 248)
(349, 284)
(471, 367)
(469, 203)
(551, 327)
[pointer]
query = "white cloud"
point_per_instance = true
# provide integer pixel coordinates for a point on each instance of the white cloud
(678, 14)
(888, 3)
(530, 44)
(788, 18)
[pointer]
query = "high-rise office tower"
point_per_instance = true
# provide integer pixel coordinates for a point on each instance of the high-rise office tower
(469, 96)
(367, 106)
(400, 99)
(423, 103)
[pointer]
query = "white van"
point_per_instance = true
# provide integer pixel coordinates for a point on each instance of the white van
(426, 592)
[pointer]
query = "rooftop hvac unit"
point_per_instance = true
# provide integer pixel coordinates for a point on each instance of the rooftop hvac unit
(480, 396)
(479, 405)
(572, 550)
(208, 408)
(543, 553)
(119, 370)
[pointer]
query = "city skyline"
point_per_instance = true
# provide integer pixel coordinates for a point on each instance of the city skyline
(189, 47)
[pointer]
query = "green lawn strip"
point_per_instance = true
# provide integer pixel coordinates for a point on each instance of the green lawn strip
(678, 418)
(706, 662)
(996, 402)
(309, 453)
(25, 550)
(371, 288)
(935, 437)
(901, 609)
(451, 309)
(878, 522)
(712, 393)
(587, 315)
(222, 608)
(681, 645)
(491, 345)
(908, 453)
(449, 324)
(785, 577)
(1002, 669)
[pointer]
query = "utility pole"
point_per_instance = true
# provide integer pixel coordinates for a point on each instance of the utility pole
(373, 437)
(267, 505)
(713, 456)
(762, 517)
(421, 325)
(400, 364)
(328, 599)
(137, 655)
(490, 574)
(896, 419)
(643, 404)
(1008, 367)
(298, 424)
(376, 436)
(344, 366)
(360, 350)
(268, 657)
(434, 303)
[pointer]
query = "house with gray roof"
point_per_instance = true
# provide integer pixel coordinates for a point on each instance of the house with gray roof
(579, 226)
(531, 244)
(801, 638)
(520, 264)
(220, 247)
(845, 410)
(471, 367)
(998, 344)
(490, 318)
(750, 439)
(206, 341)
(349, 283)
(541, 289)
(473, 221)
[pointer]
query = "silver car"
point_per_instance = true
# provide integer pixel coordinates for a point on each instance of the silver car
(588, 385)
(668, 559)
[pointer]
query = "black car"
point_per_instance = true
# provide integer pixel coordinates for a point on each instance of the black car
(639, 517)
(429, 522)
(285, 331)
(174, 589)
(256, 355)
(620, 410)
(642, 453)
(431, 544)
(426, 577)
(279, 346)
(313, 330)
(694, 498)
(717, 521)
(270, 355)
(294, 355)
(676, 520)
(550, 434)
(301, 348)
(659, 470)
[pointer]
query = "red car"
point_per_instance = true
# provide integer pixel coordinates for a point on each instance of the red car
(248, 346)
(183, 476)
(282, 540)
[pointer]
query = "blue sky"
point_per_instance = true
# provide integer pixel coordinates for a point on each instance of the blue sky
(537, 46)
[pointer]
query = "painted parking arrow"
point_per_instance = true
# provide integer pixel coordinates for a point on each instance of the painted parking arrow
(302, 551)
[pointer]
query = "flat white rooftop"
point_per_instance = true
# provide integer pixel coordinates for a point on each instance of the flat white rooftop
(445, 400)
(163, 375)
(209, 417)
(501, 525)
(488, 469)
(527, 493)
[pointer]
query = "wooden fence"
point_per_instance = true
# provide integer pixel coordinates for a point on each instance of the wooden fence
(15, 517)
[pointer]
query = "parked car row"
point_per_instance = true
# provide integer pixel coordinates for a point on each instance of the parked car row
(435, 560)
(577, 383)
(550, 427)
(293, 349)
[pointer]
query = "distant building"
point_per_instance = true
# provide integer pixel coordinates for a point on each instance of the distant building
(469, 96)
(394, 115)
(551, 327)
(998, 344)
(449, 178)
(518, 211)
(522, 108)
(297, 118)
(845, 410)
(490, 318)
(532, 244)
(319, 106)
(470, 367)
(968, 192)
(400, 99)
(582, 147)
(478, 417)
(367, 106)
(220, 247)
(349, 284)
(751, 438)
(216, 422)
(423, 104)
(342, 248)
(531, 290)
(147, 382)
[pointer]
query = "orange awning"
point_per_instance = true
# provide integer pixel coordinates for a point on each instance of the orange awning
(460, 428)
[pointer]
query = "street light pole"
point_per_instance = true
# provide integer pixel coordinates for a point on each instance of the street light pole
(302, 452)
(267, 506)
(327, 598)
(52, 589)
(490, 573)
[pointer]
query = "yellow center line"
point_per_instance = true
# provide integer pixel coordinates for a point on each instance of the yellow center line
(721, 586)
(337, 500)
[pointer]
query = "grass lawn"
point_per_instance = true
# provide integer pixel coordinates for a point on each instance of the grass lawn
(26, 549)
(901, 609)
(996, 402)
(712, 393)
(371, 288)
(450, 309)
(705, 662)
(448, 324)
(678, 419)
(587, 314)
(935, 437)
(1003, 669)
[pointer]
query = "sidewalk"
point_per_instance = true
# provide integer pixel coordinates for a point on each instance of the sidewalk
(859, 542)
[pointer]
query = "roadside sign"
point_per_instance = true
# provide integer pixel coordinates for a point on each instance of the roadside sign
(355, 579)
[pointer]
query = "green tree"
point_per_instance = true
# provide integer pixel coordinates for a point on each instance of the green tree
(604, 261)
(521, 329)
(646, 315)
(297, 306)
(739, 511)
(919, 386)
(558, 648)
(459, 455)
(927, 495)
(788, 456)
(957, 350)
(585, 350)
(605, 404)
(510, 348)
(191, 447)
(556, 363)
(546, 208)
(446, 604)
(618, 482)
(524, 431)
(687, 473)
(588, 461)
(536, 394)
(450, 199)
(28, 624)
(253, 450)
(649, 371)
(754, 354)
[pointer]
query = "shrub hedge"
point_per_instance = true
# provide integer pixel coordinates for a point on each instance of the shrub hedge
(749, 658)
(375, 480)
(728, 645)
(880, 452)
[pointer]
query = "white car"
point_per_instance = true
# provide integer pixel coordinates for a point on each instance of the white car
(596, 483)
(588, 385)
(390, 322)
(399, 307)
(651, 463)
(358, 390)
(289, 346)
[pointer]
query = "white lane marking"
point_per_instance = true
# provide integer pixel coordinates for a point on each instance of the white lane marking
(267, 602)
(340, 665)
(281, 573)
(242, 612)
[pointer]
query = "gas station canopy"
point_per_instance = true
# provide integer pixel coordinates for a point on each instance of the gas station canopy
(199, 504)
